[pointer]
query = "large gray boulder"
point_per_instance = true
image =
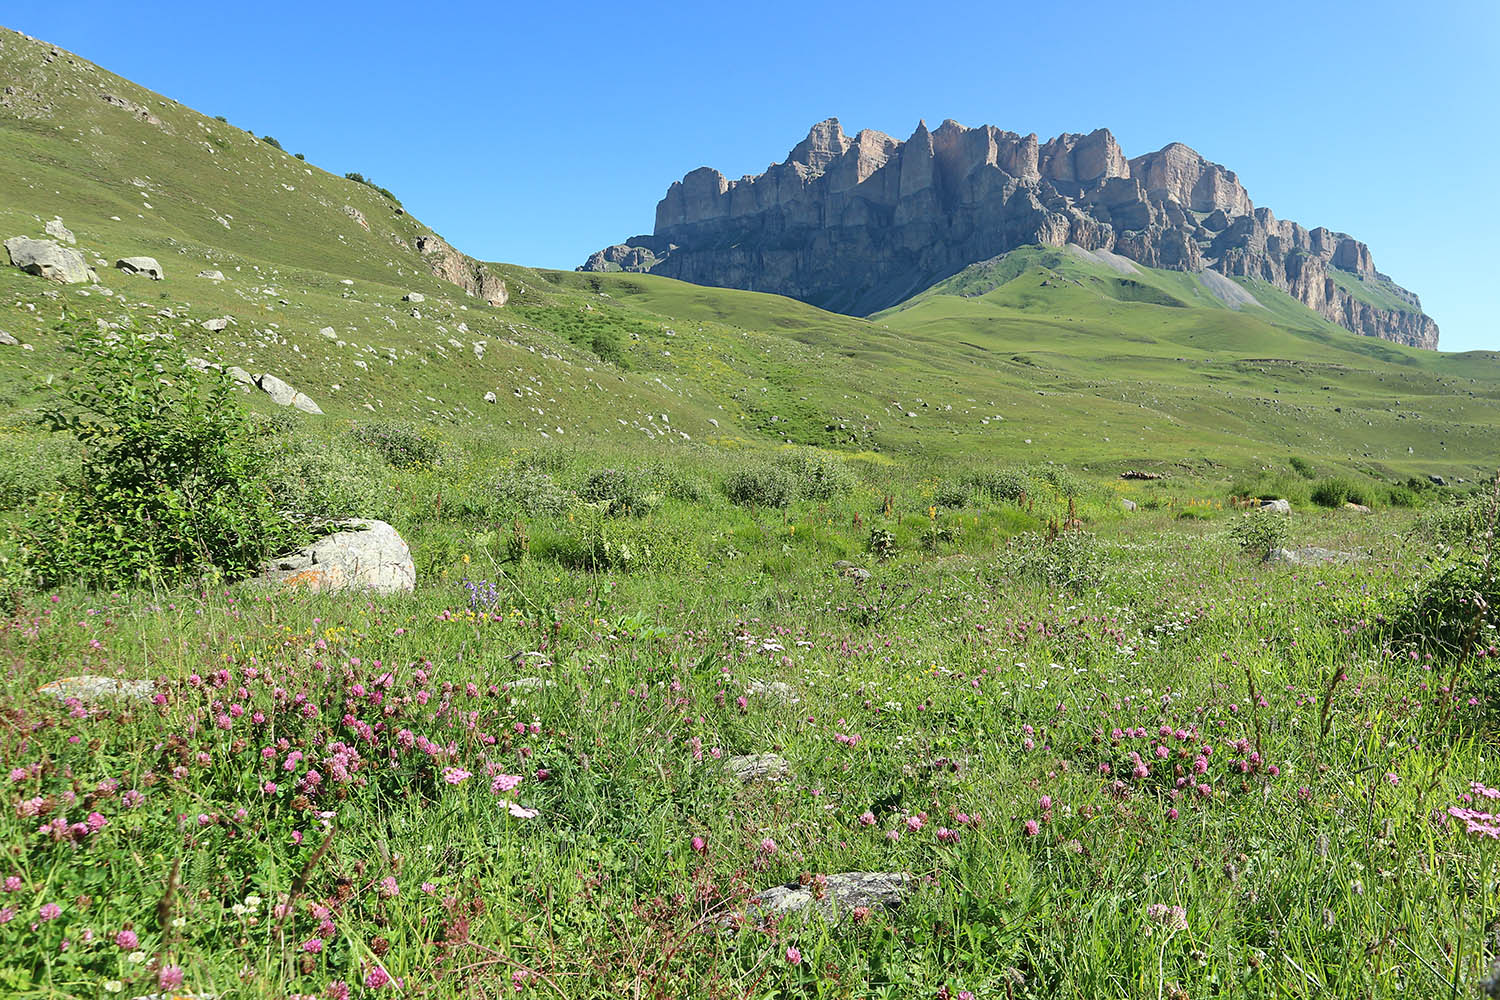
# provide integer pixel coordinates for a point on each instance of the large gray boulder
(284, 395)
(361, 555)
(47, 259)
(141, 265)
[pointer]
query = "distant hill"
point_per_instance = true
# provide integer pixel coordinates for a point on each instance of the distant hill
(274, 266)
(859, 223)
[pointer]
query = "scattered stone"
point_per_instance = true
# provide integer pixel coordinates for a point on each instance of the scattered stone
(525, 684)
(1311, 555)
(1278, 506)
(1136, 474)
(836, 898)
(45, 259)
(1437, 480)
(212, 275)
(91, 688)
(780, 690)
(216, 325)
(57, 230)
(414, 297)
(8, 340)
(1129, 506)
(284, 395)
(1357, 508)
(757, 767)
(361, 555)
(328, 333)
(846, 568)
(141, 265)
(240, 375)
(489, 397)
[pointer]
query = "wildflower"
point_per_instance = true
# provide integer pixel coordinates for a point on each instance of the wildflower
(768, 846)
(388, 887)
(376, 978)
(504, 783)
(336, 989)
(1032, 829)
(128, 940)
(428, 888)
(50, 911)
(312, 945)
(866, 818)
(1044, 803)
(170, 977)
(113, 986)
(456, 775)
(699, 844)
(793, 956)
(945, 835)
(1172, 917)
(13, 883)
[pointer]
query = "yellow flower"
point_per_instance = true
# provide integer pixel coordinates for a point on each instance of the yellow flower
(466, 559)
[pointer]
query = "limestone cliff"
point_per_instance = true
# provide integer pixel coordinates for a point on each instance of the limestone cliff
(859, 223)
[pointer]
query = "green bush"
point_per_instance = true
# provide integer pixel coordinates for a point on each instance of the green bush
(1070, 561)
(316, 482)
(1260, 532)
(815, 474)
(270, 141)
(625, 492)
(1403, 496)
(29, 470)
(1003, 485)
(1302, 467)
(1460, 521)
(1068, 485)
(404, 445)
(1336, 491)
(764, 486)
(952, 494)
(527, 490)
(172, 484)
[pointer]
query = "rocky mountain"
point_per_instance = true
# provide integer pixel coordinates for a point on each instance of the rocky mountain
(859, 223)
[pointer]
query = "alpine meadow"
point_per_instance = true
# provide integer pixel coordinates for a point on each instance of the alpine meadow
(971, 566)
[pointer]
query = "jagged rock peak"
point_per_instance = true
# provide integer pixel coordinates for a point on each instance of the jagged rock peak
(859, 223)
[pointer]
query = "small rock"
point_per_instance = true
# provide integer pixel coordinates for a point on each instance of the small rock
(361, 555)
(489, 397)
(1357, 508)
(414, 297)
(91, 688)
(841, 894)
(284, 395)
(57, 230)
(328, 333)
(141, 265)
(1277, 506)
(1437, 480)
(8, 339)
(1311, 555)
(757, 767)
(216, 325)
(1129, 506)
(240, 375)
(212, 275)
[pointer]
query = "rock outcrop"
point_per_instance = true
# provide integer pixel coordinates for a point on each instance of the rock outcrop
(471, 275)
(47, 259)
(859, 223)
(141, 265)
(361, 555)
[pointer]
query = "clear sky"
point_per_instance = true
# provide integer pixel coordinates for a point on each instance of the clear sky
(537, 133)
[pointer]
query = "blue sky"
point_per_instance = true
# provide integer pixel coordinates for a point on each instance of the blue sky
(537, 133)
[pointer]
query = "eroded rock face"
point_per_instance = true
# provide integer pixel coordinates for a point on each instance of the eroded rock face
(471, 275)
(362, 555)
(859, 223)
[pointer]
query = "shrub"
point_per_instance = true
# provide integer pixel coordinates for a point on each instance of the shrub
(1068, 485)
(815, 474)
(1302, 467)
(1260, 532)
(527, 490)
(403, 445)
(1458, 522)
(1453, 612)
(270, 141)
(172, 482)
(1002, 485)
(1336, 491)
(29, 470)
(317, 482)
(624, 491)
(952, 494)
(882, 543)
(1071, 560)
(1403, 496)
(766, 486)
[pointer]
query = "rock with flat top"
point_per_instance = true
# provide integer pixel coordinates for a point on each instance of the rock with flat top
(93, 688)
(284, 395)
(141, 265)
(361, 555)
(836, 897)
(1277, 506)
(756, 767)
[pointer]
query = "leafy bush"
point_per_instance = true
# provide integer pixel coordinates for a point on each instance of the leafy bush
(816, 475)
(528, 490)
(27, 471)
(1302, 467)
(1458, 522)
(1070, 561)
(172, 483)
(360, 178)
(1068, 485)
(952, 494)
(1456, 610)
(270, 141)
(317, 482)
(1336, 491)
(765, 486)
(403, 445)
(1403, 496)
(1260, 532)
(882, 543)
(624, 491)
(1003, 485)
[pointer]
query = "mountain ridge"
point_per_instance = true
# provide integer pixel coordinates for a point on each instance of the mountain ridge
(858, 223)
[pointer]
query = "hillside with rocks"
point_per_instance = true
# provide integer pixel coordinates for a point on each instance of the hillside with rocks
(860, 223)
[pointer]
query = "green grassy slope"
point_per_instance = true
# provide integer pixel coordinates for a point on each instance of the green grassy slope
(1044, 355)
